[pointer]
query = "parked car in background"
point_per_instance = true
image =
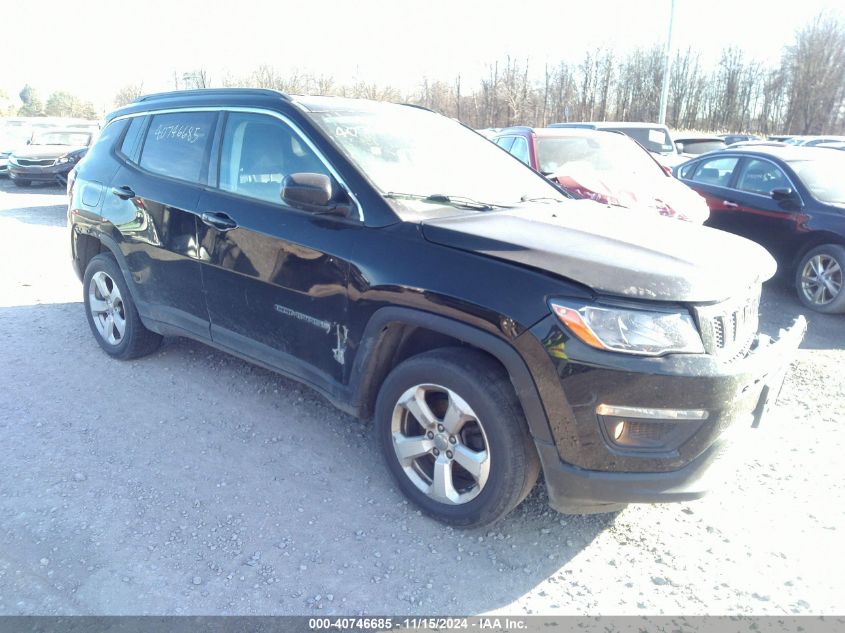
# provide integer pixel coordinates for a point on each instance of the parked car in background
(736, 138)
(608, 167)
(49, 156)
(15, 132)
(757, 144)
(789, 199)
(810, 141)
(652, 136)
(778, 137)
(489, 132)
(833, 145)
(692, 146)
(11, 138)
(489, 326)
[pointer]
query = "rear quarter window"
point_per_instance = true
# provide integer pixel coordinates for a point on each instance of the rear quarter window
(132, 138)
(104, 143)
(176, 144)
(716, 171)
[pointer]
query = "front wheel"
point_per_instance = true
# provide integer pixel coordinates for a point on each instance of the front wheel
(454, 436)
(818, 279)
(21, 182)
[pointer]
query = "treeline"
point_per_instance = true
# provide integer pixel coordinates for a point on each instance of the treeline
(60, 104)
(803, 94)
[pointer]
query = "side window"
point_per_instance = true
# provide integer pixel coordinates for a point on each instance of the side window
(176, 144)
(761, 176)
(133, 135)
(258, 152)
(686, 170)
(716, 171)
(505, 142)
(520, 149)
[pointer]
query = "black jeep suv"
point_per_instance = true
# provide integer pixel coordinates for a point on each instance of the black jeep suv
(416, 274)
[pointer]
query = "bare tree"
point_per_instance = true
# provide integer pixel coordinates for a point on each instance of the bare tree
(128, 94)
(815, 72)
(804, 94)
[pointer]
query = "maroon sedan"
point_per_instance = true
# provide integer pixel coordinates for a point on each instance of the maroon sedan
(608, 167)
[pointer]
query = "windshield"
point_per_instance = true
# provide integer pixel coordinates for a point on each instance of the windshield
(597, 151)
(654, 139)
(75, 139)
(823, 177)
(412, 151)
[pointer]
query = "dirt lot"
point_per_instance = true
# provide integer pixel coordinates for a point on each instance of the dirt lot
(191, 482)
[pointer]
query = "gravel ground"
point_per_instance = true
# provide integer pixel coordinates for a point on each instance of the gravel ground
(190, 482)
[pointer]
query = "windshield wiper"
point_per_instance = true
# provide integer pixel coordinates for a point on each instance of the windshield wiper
(460, 202)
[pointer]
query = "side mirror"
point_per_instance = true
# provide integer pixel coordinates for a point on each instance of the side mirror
(785, 196)
(311, 192)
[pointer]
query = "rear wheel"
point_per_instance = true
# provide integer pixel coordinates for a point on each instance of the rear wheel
(111, 313)
(454, 437)
(818, 279)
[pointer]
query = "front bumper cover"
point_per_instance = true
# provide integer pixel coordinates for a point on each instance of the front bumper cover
(576, 489)
(38, 173)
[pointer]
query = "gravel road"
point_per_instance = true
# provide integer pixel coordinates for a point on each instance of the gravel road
(190, 482)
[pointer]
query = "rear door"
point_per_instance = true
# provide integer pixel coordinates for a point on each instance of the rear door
(275, 276)
(153, 200)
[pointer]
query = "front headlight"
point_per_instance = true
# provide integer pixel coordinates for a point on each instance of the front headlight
(642, 332)
(68, 158)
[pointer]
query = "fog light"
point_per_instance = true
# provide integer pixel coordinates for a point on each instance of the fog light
(643, 429)
(618, 430)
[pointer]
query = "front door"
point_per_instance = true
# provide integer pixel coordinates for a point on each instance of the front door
(757, 215)
(275, 277)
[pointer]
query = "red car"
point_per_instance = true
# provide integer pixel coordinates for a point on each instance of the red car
(608, 167)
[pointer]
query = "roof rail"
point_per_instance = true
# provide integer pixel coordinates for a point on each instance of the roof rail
(221, 92)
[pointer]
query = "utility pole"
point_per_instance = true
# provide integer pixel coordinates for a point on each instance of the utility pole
(667, 67)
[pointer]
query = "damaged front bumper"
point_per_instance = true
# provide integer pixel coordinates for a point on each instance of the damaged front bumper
(693, 401)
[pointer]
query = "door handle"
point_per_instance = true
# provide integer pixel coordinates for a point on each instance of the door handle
(730, 205)
(124, 193)
(219, 221)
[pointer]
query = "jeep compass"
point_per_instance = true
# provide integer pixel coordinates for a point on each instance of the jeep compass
(419, 276)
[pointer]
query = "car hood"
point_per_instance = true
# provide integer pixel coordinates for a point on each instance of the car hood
(45, 151)
(613, 251)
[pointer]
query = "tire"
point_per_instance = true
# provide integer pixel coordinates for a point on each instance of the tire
(492, 437)
(825, 263)
(108, 304)
(21, 182)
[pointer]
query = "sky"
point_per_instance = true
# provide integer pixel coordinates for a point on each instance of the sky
(93, 47)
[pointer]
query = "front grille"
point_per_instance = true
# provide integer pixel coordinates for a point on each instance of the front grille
(30, 162)
(728, 328)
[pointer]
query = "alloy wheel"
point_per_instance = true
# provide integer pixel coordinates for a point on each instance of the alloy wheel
(440, 444)
(821, 279)
(107, 308)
